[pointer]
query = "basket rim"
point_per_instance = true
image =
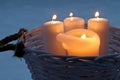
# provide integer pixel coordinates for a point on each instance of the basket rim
(40, 53)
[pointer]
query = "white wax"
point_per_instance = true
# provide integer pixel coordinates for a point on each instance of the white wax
(101, 27)
(50, 30)
(73, 23)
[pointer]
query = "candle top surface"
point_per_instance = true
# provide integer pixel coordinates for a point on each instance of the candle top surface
(78, 35)
(52, 22)
(72, 18)
(99, 19)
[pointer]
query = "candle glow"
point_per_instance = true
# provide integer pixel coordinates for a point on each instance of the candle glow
(97, 14)
(54, 17)
(83, 36)
(71, 14)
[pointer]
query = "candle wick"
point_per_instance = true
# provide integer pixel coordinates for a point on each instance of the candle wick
(71, 16)
(53, 19)
(97, 17)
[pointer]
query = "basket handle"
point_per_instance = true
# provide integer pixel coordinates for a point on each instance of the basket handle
(5, 42)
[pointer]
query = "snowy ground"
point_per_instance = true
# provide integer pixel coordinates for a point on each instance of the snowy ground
(30, 14)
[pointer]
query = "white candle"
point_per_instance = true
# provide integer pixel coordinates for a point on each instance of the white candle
(50, 29)
(80, 42)
(101, 27)
(73, 22)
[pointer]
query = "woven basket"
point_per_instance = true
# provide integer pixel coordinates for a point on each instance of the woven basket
(46, 66)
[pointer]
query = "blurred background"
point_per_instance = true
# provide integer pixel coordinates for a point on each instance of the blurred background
(15, 14)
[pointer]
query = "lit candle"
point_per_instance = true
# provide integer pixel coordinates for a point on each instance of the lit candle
(73, 22)
(101, 27)
(50, 30)
(80, 42)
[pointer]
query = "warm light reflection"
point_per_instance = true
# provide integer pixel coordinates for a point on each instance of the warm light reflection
(97, 14)
(83, 36)
(54, 17)
(71, 14)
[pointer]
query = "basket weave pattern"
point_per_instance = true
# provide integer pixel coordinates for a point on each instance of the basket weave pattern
(46, 66)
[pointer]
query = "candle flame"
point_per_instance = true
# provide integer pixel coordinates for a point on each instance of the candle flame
(71, 14)
(54, 17)
(97, 14)
(83, 36)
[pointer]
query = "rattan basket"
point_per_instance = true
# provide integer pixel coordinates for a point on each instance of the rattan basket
(46, 66)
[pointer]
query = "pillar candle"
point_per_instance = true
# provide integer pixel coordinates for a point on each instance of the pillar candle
(50, 29)
(72, 22)
(80, 42)
(101, 27)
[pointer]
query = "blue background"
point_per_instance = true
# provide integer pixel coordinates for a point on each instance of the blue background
(15, 14)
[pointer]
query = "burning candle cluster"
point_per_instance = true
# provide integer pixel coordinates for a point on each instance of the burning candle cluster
(70, 37)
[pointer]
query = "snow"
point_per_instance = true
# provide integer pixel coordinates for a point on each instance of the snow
(15, 14)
